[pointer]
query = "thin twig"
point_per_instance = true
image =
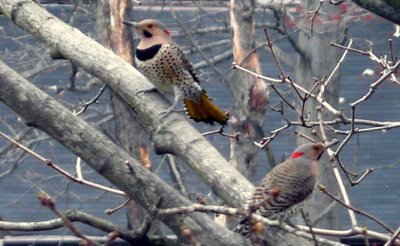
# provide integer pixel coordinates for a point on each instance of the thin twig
(299, 230)
(375, 84)
(358, 211)
(339, 63)
(78, 168)
(338, 178)
(312, 140)
(269, 45)
(59, 169)
(95, 99)
(307, 222)
(313, 14)
(220, 130)
(110, 211)
(329, 107)
(362, 52)
(49, 202)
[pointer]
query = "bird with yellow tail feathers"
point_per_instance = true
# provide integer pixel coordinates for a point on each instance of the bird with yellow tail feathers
(167, 67)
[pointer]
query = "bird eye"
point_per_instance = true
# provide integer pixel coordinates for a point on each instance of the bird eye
(150, 26)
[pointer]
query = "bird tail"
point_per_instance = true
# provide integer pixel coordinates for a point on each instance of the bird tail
(205, 110)
(243, 227)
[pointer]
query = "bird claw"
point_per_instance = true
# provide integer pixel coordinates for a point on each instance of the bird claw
(170, 110)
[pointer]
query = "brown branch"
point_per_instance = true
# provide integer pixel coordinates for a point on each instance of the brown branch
(266, 140)
(86, 104)
(374, 85)
(356, 210)
(313, 14)
(18, 138)
(366, 53)
(59, 169)
(269, 45)
(300, 88)
(90, 220)
(49, 202)
(112, 210)
(299, 230)
(304, 136)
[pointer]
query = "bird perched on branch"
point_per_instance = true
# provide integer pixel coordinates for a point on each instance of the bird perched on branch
(285, 187)
(167, 67)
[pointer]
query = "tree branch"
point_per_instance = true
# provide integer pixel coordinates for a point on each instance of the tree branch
(116, 165)
(384, 8)
(126, 81)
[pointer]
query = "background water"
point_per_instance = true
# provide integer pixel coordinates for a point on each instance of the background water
(379, 194)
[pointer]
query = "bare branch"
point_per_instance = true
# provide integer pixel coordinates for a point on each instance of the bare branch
(59, 169)
(95, 99)
(393, 238)
(49, 202)
(324, 190)
(303, 231)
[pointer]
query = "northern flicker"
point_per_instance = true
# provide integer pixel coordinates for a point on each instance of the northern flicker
(286, 186)
(167, 67)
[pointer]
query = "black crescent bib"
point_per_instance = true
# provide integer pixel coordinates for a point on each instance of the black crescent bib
(148, 53)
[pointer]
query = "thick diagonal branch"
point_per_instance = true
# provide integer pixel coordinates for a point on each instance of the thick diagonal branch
(116, 165)
(127, 82)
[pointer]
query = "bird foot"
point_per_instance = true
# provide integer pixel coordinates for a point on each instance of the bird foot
(167, 112)
(170, 110)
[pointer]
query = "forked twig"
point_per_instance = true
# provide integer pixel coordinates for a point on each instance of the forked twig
(356, 210)
(59, 169)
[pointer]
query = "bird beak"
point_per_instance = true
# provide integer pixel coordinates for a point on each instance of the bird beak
(131, 23)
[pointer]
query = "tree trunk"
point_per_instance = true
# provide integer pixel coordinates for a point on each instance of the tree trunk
(251, 93)
(388, 9)
(126, 81)
(318, 60)
(130, 134)
(45, 113)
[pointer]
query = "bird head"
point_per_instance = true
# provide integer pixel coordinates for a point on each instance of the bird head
(312, 151)
(149, 28)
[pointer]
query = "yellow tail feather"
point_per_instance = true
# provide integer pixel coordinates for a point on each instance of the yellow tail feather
(205, 110)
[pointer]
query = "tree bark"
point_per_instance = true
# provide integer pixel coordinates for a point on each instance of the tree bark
(388, 9)
(251, 93)
(130, 134)
(45, 113)
(126, 81)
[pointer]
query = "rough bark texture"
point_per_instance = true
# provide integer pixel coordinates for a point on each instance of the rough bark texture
(126, 81)
(388, 9)
(116, 165)
(251, 94)
(130, 134)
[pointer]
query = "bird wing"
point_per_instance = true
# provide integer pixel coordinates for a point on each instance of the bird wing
(187, 64)
(286, 185)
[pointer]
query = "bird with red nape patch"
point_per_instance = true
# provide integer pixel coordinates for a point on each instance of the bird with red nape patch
(285, 188)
